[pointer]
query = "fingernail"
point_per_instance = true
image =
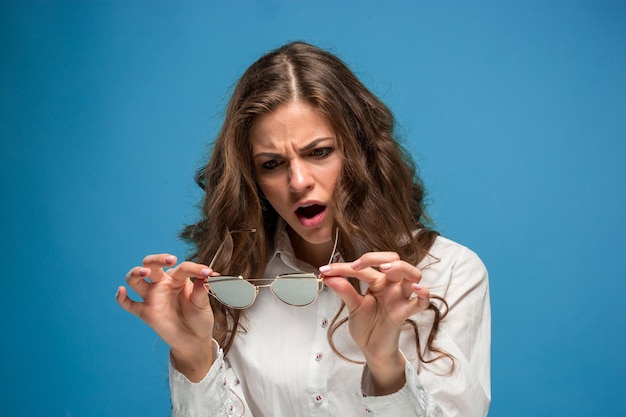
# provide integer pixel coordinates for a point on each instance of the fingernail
(416, 287)
(117, 293)
(169, 260)
(206, 272)
(144, 272)
(356, 265)
(325, 268)
(385, 266)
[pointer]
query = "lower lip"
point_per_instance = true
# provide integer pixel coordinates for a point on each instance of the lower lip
(313, 221)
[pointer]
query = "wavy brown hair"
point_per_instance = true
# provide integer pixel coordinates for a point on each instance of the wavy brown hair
(378, 202)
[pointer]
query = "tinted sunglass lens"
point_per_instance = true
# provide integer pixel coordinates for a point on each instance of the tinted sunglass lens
(232, 291)
(296, 289)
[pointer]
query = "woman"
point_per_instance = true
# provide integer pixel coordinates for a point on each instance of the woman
(397, 323)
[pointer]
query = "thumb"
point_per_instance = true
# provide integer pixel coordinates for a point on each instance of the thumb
(199, 295)
(345, 291)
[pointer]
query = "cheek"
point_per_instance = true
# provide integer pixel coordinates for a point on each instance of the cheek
(332, 175)
(271, 190)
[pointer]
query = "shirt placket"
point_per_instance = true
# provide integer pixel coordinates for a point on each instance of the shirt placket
(318, 361)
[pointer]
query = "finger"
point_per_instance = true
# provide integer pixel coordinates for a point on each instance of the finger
(368, 275)
(127, 304)
(189, 270)
(374, 259)
(407, 288)
(162, 260)
(399, 271)
(199, 296)
(136, 279)
(156, 263)
(345, 290)
(422, 298)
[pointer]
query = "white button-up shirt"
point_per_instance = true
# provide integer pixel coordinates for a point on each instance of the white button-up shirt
(283, 365)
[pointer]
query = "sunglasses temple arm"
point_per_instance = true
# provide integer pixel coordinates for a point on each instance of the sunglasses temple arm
(332, 254)
(217, 253)
(221, 247)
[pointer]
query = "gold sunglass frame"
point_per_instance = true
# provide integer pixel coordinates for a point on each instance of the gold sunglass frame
(238, 278)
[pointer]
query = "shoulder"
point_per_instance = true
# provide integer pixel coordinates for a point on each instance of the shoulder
(449, 261)
(448, 251)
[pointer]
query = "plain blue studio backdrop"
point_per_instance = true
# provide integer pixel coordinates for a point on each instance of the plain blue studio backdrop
(515, 111)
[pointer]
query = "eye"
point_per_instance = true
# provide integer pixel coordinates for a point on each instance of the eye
(321, 153)
(271, 164)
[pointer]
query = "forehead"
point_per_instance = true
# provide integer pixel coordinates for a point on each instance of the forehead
(295, 122)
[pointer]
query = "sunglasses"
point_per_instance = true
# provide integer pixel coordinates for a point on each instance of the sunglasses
(297, 289)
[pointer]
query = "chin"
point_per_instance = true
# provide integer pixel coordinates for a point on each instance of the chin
(314, 236)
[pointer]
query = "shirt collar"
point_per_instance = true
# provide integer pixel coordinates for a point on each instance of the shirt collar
(284, 250)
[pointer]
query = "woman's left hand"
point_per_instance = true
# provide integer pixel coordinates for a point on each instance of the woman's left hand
(376, 317)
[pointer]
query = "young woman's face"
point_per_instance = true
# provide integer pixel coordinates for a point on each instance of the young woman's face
(297, 163)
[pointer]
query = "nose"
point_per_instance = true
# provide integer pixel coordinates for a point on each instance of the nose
(300, 178)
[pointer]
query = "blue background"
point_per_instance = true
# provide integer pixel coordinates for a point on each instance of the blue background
(515, 111)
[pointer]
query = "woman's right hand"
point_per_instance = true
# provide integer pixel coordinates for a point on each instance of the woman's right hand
(176, 308)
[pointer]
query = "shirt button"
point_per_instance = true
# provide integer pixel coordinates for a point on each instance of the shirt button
(368, 411)
(324, 323)
(318, 398)
(319, 356)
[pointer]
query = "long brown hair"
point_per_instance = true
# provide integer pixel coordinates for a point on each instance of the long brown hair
(378, 202)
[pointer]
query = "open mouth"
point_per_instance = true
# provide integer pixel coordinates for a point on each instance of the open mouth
(311, 211)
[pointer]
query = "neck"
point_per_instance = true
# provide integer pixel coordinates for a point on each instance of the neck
(311, 253)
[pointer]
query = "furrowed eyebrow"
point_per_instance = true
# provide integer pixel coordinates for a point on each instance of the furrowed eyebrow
(312, 145)
(315, 143)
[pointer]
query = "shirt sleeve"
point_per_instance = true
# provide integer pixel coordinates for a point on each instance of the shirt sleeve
(410, 400)
(218, 394)
(437, 389)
